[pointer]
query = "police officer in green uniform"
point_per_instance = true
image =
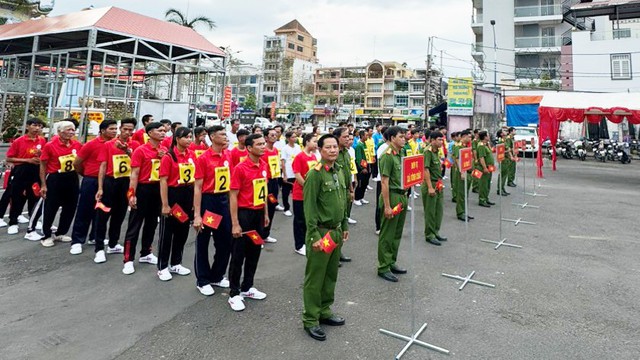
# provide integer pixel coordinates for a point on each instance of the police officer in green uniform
(325, 214)
(432, 197)
(474, 150)
(511, 177)
(344, 160)
(505, 165)
(461, 194)
(454, 175)
(485, 159)
(392, 196)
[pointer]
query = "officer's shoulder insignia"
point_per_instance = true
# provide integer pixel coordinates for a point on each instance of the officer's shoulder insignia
(318, 166)
(389, 151)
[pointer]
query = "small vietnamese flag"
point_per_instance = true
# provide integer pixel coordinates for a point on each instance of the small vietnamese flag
(36, 189)
(7, 175)
(327, 243)
(439, 185)
(272, 199)
(255, 237)
(131, 193)
(476, 173)
(103, 207)
(211, 220)
(447, 163)
(491, 168)
(363, 163)
(397, 209)
(178, 213)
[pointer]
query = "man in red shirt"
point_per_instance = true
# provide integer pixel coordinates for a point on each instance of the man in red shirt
(199, 145)
(24, 154)
(87, 164)
(239, 153)
(271, 157)
(141, 135)
(302, 163)
(211, 193)
(113, 183)
(172, 128)
(248, 214)
(59, 182)
(144, 198)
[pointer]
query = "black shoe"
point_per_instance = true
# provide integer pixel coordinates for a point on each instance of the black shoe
(388, 276)
(316, 332)
(484, 205)
(470, 217)
(453, 200)
(339, 264)
(461, 218)
(397, 269)
(440, 238)
(434, 242)
(511, 184)
(344, 258)
(490, 203)
(474, 191)
(334, 320)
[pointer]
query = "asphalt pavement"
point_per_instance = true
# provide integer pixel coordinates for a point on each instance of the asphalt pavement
(569, 293)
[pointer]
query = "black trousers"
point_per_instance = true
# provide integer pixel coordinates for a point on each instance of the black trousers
(114, 196)
(86, 214)
(244, 253)
(378, 214)
(287, 188)
(299, 224)
(37, 212)
(173, 233)
(272, 187)
(5, 199)
(361, 187)
(206, 272)
(62, 191)
(147, 212)
(22, 179)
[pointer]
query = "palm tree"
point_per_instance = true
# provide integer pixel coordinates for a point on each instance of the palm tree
(176, 16)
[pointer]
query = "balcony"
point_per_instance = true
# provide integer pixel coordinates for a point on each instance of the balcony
(538, 42)
(537, 11)
(537, 73)
(616, 34)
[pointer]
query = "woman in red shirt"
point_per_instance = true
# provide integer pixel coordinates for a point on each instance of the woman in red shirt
(304, 161)
(177, 175)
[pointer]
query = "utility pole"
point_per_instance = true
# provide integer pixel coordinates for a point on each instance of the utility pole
(427, 83)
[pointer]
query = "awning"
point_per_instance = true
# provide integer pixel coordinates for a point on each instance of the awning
(438, 109)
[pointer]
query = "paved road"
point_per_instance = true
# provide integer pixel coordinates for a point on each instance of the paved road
(570, 293)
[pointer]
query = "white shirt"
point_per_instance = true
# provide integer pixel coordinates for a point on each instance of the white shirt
(383, 147)
(288, 153)
(279, 144)
(233, 139)
(352, 153)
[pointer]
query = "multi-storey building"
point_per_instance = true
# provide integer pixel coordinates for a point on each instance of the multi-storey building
(244, 80)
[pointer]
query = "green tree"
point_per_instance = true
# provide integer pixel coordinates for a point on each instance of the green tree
(296, 108)
(176, 16)
(249, 102)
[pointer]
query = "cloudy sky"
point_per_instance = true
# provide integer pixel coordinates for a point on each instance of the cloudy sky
(349, 32)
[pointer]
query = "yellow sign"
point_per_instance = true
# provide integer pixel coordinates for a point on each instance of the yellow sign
(274, 166)
(121, 166)
(155, 170)
(460, 100)
(259, 191)
(223, 176)
(91, 115)
(186, 171)
(359, 112)
(66, 163)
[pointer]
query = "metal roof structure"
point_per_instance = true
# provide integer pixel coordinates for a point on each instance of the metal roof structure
(615, 9)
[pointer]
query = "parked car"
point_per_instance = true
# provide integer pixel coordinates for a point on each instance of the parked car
(262, 122)
(526, 133)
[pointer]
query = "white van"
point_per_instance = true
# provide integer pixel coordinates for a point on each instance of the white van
(526, 133)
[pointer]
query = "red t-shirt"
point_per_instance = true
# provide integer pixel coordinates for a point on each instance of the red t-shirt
(166, 142)
(238, 156)
(215, 171)
(146, 158)
(302, 163)
(180, 172)
(250, 179)
(25, 147)
(272, 159)
(140, 136)
(60, 157)
(111, 154)
(89, 154)
(198, 150)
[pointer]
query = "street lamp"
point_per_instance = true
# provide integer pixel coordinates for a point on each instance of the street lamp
(495, 75)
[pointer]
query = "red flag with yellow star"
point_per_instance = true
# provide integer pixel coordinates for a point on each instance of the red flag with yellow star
(178, 213)
(476, 173)
(272, 199)
(131, 193)
(439, 185)
(36, 189)
(447, 163)
(397, 209)
(103, 207)
(491, 168)
(211, 220)
(327, 243)
(255, 237)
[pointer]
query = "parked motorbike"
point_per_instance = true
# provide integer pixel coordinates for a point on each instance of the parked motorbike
(600, 152)
(580, 151)
(624, 153)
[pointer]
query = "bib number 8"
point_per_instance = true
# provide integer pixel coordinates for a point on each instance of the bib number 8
(66, 163)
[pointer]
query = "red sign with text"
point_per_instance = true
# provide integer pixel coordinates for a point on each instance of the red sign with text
(500, 152)
(226, 102)
(466, 159)
(412, 170)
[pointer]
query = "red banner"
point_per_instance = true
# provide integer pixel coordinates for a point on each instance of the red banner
(500, 152)
(466, 159)
(273, 110)
(412, 170)
(226, 102)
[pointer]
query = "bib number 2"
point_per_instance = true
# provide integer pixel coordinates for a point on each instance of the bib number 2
(223, 176)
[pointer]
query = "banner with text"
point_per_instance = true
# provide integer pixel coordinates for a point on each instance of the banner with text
(460, 100)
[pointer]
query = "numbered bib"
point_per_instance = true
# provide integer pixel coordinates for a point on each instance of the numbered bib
(121, 166)
(311, 164)
(223, 176)
(259, 191)
(155, 170)
(352, 166)
(186, 172)
(145, 138)
(66, 163)
(274, 166)
(199, 152)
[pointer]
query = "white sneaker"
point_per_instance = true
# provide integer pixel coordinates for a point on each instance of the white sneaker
(364, 201)
(118, 249)
(357, 203)
(279, 207)
(91, 242)
(33, 236)
(444, 177)
(100, 257)
(253, 293)
(128, 268)
(302, 251)
(3, 223)
(416, 195)
(13, 229)
(54, 229)
(106, 242)
(236, 303)
(224, 283)
(149, 259)
(164, 274)
(23, 219)
(62, 238)
(48, 242)
(76, 249)
(39, 225)
(206, 290)
(270, 239)
(288, 213)
(369, 187)
(180, 270)
(409, 208)
(377, 232)
(351, 221)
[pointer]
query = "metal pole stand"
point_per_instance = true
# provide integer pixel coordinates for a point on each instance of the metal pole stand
(525, 205)
(500, 243)
(519, 221)
(534, 193)
(504, 240)
(414, 338)
(468, 280)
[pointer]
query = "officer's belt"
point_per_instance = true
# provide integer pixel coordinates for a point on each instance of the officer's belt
(398, 191)
(330, 227)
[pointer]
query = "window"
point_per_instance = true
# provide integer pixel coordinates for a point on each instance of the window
(271, 66)
(300, 49)
(268, 44)
(291, 46)
(375, 102)
(300, 38)
(621, 67)
(417, 87)
(402, 100)
(418, 102)
(314, 53)
(269, 88)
